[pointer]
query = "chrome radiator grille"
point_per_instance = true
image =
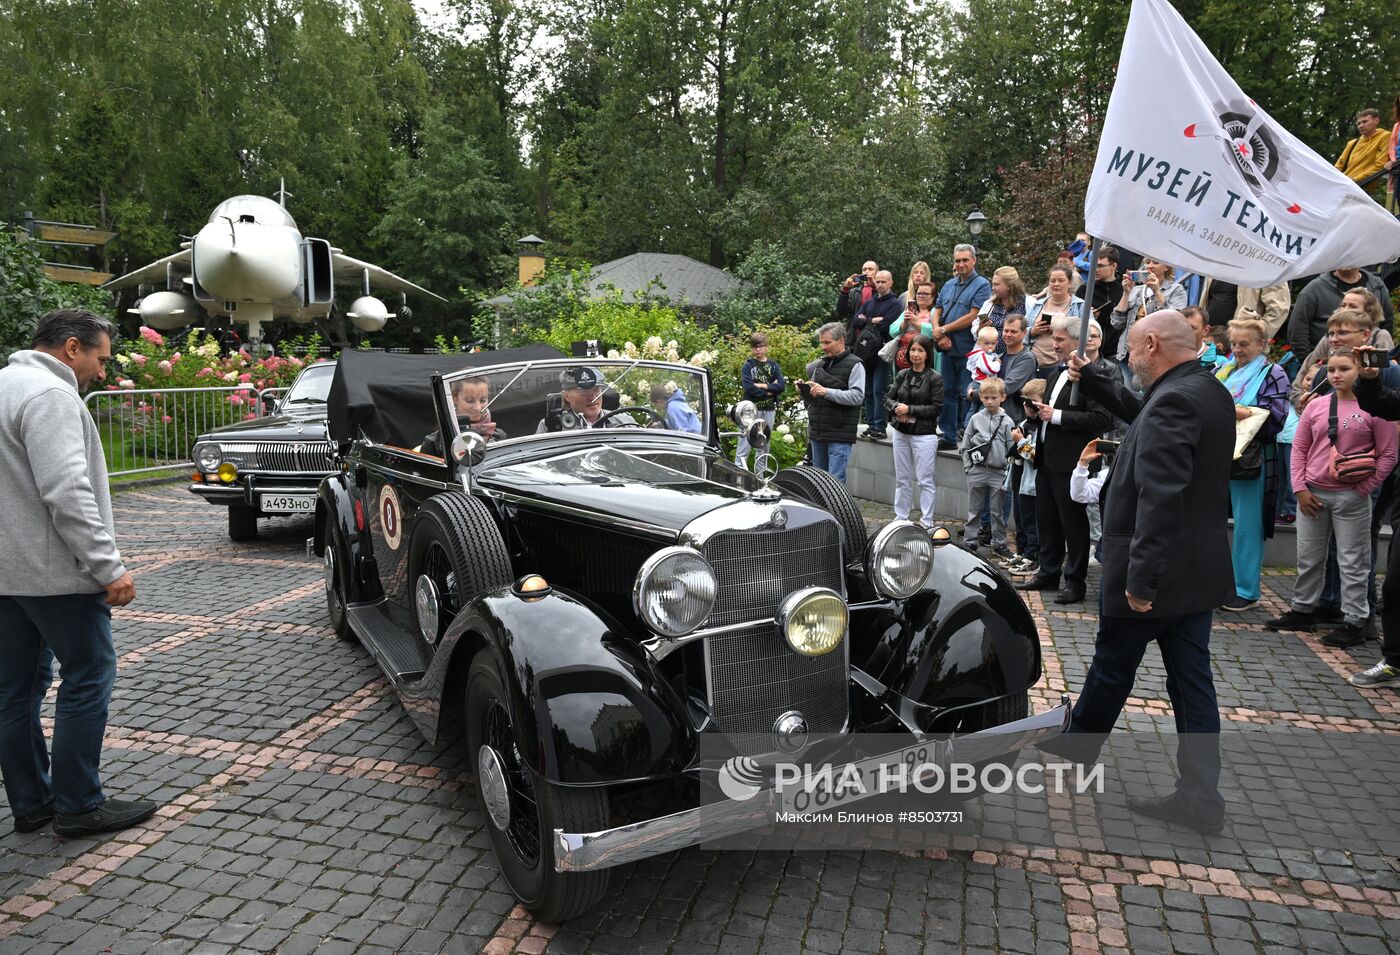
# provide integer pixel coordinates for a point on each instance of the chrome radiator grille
(758, 569)
(282, 456)
(754, 675)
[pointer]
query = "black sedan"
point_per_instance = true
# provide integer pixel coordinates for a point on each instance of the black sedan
(272, 464)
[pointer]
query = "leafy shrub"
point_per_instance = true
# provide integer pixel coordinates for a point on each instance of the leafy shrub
(26, 293)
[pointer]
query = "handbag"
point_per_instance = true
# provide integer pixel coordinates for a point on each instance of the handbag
(891, 349)
(1356, 468)
(1250, 463)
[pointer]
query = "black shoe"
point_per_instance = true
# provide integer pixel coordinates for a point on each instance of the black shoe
(1239, 604)
(1170, 809)
(984, 536)
(35, 819)
(1328, 615)
(1349, 635)
(875, 435)
(1070, 595)
(1003, 554)
(112, 815)
(1039, 583)
(1070, 746)
(1294, 620)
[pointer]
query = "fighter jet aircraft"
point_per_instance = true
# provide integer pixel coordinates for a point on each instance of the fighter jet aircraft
(251, 264)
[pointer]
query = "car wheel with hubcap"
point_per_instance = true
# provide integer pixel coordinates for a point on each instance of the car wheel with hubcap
(242, 522)
(522, 810)
(335, 590)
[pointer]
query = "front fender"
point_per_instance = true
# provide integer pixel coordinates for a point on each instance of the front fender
(966, 638)
(594, 707)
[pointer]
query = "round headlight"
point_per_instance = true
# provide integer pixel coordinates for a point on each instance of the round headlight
(675, 591)
(814, 621)
(900, 558)
(208, 457)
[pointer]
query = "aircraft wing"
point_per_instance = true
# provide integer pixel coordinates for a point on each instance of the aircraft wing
(155, 272)
(350, 271)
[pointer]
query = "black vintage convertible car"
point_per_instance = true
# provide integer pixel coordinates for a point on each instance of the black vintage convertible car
(553, 557)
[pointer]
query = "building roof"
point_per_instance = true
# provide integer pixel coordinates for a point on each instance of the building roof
(680, 278)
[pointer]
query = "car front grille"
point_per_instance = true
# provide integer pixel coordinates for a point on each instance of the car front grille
(289, 457)
(758, 569)
(754, 675)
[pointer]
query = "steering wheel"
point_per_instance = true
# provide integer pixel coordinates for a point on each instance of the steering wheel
(617, 411)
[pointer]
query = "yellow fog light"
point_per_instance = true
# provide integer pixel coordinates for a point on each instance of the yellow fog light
(228, 473)
(814, 621)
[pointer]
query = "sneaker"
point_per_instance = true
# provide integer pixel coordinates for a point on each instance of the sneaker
(1026, 567)
(876, 435)
(111, 815)
(1002, 554)
(984, 535)
(1286, 519)
(1382, 674)
(1239, 605)
(1293, 620)
(1348, 635)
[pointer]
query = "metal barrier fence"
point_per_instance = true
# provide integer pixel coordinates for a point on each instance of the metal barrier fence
(154, 429)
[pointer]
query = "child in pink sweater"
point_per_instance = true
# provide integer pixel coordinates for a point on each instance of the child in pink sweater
(1339, 509)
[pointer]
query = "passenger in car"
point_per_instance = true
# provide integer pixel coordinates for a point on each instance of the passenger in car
(673, 407)
(470, 398)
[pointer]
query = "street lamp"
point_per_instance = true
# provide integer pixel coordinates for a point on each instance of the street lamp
(976, 222)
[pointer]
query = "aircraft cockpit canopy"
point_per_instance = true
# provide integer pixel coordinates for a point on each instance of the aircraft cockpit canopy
(257, 209)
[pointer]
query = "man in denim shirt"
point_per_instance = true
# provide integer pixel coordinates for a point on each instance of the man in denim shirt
(958, 303)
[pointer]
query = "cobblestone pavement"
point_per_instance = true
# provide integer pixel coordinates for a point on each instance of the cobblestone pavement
(303, 812)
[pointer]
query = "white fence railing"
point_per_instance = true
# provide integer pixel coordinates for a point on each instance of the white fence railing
(154, 429)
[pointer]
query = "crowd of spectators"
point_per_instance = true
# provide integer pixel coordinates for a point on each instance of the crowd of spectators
(975, 364)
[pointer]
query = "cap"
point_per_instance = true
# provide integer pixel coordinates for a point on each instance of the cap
(582, 377)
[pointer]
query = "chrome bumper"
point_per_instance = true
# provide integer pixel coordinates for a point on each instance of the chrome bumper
(246, 493)
(581, 851)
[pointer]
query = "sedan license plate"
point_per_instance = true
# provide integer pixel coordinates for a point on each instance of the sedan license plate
(287, 503)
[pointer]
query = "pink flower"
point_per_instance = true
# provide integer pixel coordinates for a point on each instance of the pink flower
(245, 377)
(164, 366)
(260, 383)
(166, 419)
(152, 336)
(174, 358)
(296, 362)
(204, 373)
(139, 359)
(235, 399)
(143, 407)
(113, 388)
(250, 416)
(127, 383)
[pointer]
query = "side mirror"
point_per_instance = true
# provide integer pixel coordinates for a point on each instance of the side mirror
(269, 404)
(468, 448)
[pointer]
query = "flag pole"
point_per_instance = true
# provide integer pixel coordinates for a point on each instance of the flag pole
(1087, 312)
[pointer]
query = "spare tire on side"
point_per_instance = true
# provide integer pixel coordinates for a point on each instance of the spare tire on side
(458, 550)
(820, 489)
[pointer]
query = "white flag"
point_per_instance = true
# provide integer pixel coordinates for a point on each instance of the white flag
(1192, 172)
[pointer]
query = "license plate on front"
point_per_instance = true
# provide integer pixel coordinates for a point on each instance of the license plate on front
(287, 503)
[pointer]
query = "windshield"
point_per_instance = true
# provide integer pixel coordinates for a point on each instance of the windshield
(313, 386)
(550, 397)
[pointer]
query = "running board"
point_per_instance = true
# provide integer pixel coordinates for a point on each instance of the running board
(392, 647)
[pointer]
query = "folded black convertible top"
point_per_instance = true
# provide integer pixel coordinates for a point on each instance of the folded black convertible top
(389, 396)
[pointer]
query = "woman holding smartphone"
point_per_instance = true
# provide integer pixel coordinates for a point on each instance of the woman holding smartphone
(914, 399)
(1058, 301)
(1145, 291)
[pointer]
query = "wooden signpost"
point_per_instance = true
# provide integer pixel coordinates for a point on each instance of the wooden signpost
(70, 234)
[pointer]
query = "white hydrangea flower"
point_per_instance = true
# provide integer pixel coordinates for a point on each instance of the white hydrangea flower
(629, 349)
(653, 345)
(782, 429)
(672, 354)
(626, 399)
(788, 439)
(123, 360)
(613, 353)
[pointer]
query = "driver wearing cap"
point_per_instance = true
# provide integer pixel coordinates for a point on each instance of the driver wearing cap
(582, 389)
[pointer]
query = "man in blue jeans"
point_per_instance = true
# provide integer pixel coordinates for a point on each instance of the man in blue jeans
(60, 576)
(834, 393)
(958, 303)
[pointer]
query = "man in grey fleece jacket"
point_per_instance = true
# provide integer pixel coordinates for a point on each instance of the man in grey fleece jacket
(60, 576)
